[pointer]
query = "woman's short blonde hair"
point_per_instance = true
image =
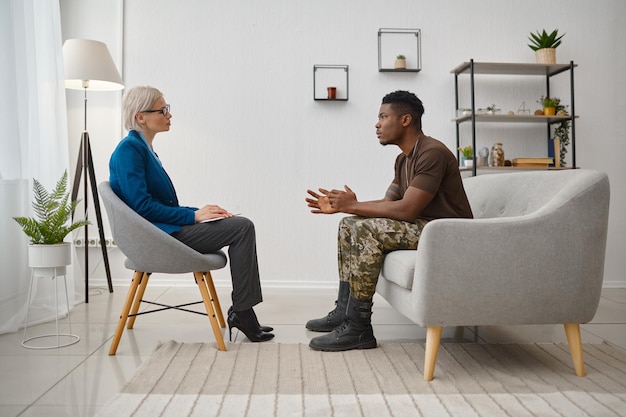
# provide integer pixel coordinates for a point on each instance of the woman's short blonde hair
(136, 100)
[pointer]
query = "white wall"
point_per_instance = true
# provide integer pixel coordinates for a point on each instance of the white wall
(246, 133)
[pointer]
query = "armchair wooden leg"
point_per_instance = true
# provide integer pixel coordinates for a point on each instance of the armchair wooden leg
(208, 304)
(215, 299)
(130, 297)
(433, 340)
(572, 330)
(138, 298)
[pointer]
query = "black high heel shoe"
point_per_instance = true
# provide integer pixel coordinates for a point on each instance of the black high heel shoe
(245, 322)
(265, 329)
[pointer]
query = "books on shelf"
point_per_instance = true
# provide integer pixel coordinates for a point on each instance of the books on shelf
(532, 162)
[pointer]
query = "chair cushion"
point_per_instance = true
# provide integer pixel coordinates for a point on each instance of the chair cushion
(399, 268)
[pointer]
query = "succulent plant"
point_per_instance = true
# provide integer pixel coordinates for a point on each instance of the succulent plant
(542, 40)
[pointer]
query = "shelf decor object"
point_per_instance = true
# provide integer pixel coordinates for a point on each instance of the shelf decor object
(393, 43)
(330, 82)
(545, 45)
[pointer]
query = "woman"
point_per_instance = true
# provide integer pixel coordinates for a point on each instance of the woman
(137, 177)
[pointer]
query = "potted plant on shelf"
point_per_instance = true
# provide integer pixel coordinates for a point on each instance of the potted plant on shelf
(468, 155)
(549, 105)
(48, 228)
(545, 45)
(400, 62)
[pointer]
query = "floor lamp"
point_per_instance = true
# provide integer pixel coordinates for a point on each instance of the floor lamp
(89, 66)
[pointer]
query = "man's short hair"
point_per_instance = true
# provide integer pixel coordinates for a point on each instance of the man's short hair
(405, 102)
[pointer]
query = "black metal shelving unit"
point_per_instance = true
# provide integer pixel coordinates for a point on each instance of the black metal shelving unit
(472, 68)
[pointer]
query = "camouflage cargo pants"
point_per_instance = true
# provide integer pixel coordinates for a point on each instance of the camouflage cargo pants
(363, 243)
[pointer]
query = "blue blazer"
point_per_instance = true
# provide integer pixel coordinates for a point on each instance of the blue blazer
(137, 177)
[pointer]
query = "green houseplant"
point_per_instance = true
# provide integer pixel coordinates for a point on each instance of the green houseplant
(53, 211)
(545, 45)
(549, 104)
(468, 155)
(561, 135)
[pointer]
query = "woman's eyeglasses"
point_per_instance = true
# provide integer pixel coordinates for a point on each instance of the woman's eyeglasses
(165, 110)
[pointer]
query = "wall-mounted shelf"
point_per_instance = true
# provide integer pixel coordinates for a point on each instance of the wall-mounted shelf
(394, 42)
(325, 76)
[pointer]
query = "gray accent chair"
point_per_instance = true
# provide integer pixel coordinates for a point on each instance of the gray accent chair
(533, 254)
(148, 249)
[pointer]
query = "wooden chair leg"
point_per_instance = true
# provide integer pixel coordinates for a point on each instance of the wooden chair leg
(572, 331)
(433, 340)
(214, 298)
(130, 297)
(138, 298)
(202, 286)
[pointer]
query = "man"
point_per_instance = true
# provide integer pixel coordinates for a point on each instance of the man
(427, 185)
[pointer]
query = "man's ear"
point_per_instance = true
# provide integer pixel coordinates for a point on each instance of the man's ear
(406, 120)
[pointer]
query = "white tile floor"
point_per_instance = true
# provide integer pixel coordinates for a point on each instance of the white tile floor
(78, 380)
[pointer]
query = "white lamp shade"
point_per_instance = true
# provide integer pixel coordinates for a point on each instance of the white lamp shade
(88, 65)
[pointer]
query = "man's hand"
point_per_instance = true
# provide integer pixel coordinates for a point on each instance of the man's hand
(211, 211)
(320, 203)
(342, 200)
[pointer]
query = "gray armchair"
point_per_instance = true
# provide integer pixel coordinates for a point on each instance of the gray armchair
(533, 254)
(148, 249)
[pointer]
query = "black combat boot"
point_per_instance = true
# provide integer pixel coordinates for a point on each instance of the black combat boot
(354, 333)
(335, 317)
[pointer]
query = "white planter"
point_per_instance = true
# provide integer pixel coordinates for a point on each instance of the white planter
(468, 162)
(50, 260)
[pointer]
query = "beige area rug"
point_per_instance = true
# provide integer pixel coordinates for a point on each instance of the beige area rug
(270, 379)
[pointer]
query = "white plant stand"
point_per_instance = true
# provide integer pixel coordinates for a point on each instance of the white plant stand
(38, 271)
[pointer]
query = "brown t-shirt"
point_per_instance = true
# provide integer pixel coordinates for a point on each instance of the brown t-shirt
(433, 168)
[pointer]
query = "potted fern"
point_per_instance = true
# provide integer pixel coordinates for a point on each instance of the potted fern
(545, 45)
(47, 230)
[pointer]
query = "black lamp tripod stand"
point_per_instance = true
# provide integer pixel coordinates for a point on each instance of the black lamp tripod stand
(84, 165)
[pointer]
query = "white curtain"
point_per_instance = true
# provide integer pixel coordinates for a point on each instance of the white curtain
(33, 144)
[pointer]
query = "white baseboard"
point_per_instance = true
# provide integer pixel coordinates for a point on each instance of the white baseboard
(187, 281)
(176, 281)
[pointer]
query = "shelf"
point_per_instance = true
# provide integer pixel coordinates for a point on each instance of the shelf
(512, 168)
(504, 68)
(504, 118)
(325, 76)
(394, 42)
(399, 70)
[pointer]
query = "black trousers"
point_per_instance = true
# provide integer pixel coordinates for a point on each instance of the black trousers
(239, 235)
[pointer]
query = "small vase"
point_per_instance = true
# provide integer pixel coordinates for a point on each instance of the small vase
(332, 93)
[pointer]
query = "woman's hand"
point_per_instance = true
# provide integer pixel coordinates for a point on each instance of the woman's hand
(211, 211)
(320, 203)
